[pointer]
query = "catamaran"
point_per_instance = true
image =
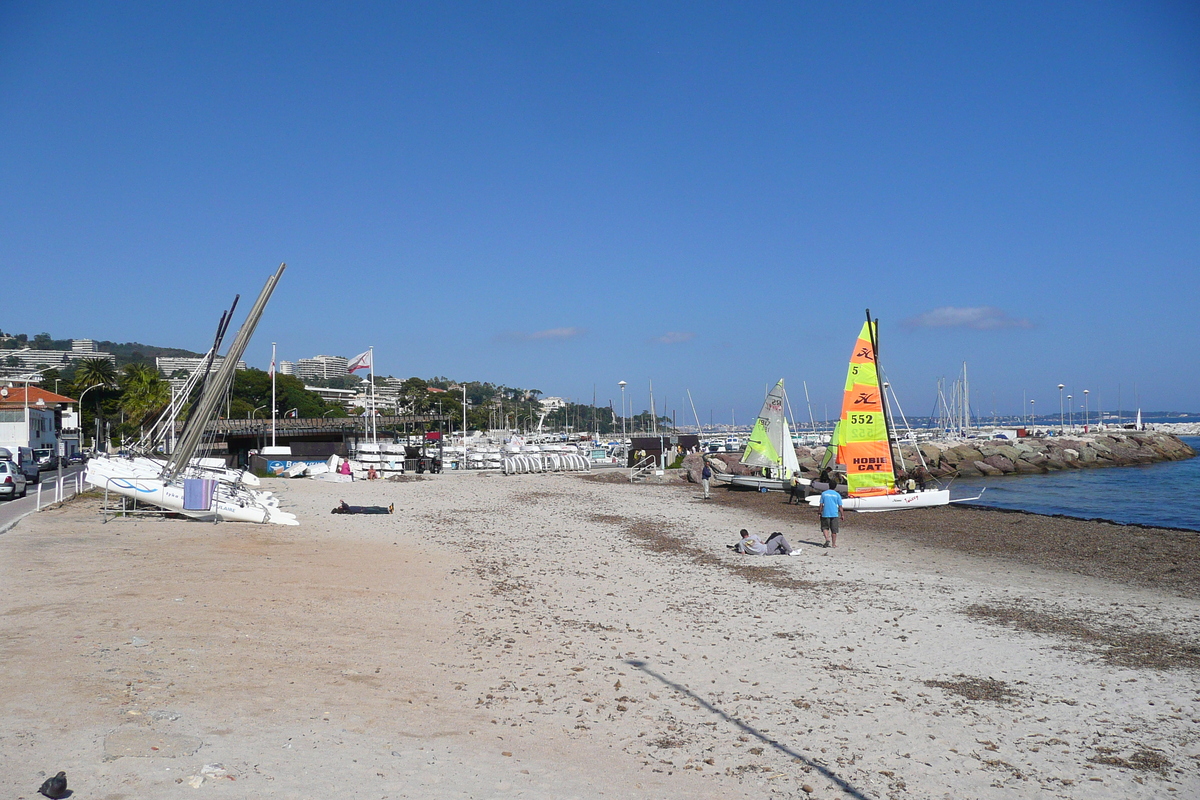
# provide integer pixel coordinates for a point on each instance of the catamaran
(862, 440)
(183, 483)
(769, 448)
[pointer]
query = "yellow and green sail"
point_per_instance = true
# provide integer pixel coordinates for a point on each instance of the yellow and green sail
(770, 444)
(862, 435)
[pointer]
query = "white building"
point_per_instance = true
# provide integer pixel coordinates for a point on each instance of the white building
(29, 360)
(343, 397)
(169, 365)
(34, 420)
(320, 368)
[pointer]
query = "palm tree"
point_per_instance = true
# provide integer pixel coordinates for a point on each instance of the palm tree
(94, 372)
(143, 392)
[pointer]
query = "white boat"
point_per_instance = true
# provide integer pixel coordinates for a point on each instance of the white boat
(769, 448)
(141, 479)
(861, 442)
(183, 484)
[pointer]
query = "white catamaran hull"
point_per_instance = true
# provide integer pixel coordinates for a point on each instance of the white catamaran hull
(756, 481)
(233, 503)
(892, 502)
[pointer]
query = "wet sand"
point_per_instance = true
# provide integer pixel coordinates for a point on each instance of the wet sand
(557, 636)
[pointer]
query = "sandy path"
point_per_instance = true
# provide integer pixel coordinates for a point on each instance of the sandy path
(547, 636)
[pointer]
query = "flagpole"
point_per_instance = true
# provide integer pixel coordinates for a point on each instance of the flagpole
(374, 428)
(273, 371)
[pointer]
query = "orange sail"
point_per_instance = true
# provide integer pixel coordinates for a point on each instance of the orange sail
(862, 434)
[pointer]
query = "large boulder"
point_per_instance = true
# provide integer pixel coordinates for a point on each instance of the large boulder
(1001, 463)
(961, 454)
(931, 451)
(983, 467)
(1008, 451)
(693, 464)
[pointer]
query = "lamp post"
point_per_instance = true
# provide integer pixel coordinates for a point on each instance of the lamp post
(1032, 413)
(1060, 408)
(255, 411)
(81, 396)
(1070, 412)
(1085, 410)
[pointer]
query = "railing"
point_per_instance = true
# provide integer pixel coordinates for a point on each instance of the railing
(647, 464)
(61, 486)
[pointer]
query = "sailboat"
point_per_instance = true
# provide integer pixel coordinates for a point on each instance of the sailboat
(183, 483)
(862, 440)
(769, 448)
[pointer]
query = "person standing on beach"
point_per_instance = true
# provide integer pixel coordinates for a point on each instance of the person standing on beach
(831, 515)
(705, 477)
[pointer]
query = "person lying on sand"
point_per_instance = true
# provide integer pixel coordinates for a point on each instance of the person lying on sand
(346, 509)
(776, 545)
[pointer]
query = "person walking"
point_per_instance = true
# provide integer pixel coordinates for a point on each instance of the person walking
(705, 477)
(831, 515)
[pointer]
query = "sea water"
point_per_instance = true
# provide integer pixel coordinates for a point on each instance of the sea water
(1166, 495)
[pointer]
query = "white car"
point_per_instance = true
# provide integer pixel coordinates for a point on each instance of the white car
(12, 483)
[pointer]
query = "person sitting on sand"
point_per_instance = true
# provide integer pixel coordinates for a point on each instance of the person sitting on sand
(751, 545)
(348, 509)
(372, 474)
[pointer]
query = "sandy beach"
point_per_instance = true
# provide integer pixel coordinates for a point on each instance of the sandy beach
(558, 636)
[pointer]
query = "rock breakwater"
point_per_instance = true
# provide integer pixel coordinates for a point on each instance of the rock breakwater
(976, 457)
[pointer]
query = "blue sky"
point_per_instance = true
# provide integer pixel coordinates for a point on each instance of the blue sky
(565, 195)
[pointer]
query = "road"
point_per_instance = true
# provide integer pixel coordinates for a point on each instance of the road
(13, 510)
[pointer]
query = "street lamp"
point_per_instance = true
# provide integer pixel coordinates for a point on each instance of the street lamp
(81, 396)
(1060, 408)
(1085, 410)
(1070, 412)
(255, 411)
(622, 384)
(1032, 413)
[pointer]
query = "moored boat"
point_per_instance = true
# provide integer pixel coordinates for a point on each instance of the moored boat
(862, 440)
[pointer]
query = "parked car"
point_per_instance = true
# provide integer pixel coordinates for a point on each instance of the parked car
(47, 459)
(12, 482)
(24, 460)
(78, 457)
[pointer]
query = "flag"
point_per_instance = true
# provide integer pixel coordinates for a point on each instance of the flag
(292, 413)
(360, 361)
(271, 369)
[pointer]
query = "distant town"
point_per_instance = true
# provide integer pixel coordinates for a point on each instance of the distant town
(83, 391)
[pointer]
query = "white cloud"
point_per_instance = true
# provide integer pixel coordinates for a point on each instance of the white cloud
(980, 318)
(674, 337)
(553, 334)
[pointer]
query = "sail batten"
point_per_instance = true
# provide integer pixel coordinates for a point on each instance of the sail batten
(862, 440)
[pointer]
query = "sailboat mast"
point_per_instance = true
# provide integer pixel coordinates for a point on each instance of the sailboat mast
(873, 329)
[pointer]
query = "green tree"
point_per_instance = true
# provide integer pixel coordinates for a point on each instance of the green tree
(93, 371)
(144, 394)
(252, 388)
(100, 377)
